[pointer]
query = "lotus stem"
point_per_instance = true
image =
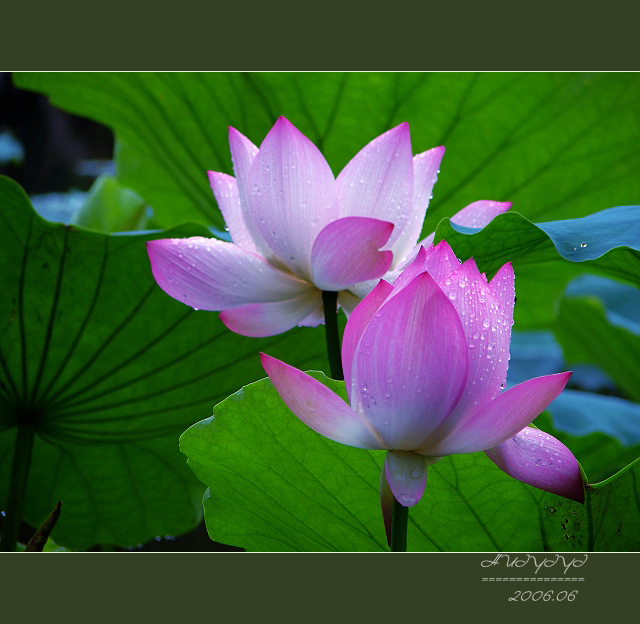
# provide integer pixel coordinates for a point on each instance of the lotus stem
(399, 519)
(330, 303)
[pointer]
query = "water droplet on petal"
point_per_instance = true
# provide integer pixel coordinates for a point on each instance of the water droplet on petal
(417, 473)
(583, 245)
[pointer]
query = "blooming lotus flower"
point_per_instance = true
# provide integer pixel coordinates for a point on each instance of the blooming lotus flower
(425, 363)
(297, 230)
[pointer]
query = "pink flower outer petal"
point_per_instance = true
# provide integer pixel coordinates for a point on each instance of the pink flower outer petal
(346, 252)
(243, 153)
(487, 330)
(318, 407)
(539, 459)
(480, 213)
(503, 286)
(316, 317)
(406, 474)
(441, 261)
(378, 181)
(357, 323)
(268, 319)
(225, 189)
(415, 268)
(410, 364)
(292, 195)
(499, 420)
(426, 167)
(210, 274)
(438, 261)
(348, 302)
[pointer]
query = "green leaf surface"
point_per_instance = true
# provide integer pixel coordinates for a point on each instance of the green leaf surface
(587, 336)
(276, 485)
(546, 256)
(109, 371)
(559, 145)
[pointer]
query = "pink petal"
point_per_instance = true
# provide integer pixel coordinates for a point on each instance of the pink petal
(292, 196)
(425, 173)
(501, 419)
(480, 213)
(406, 474)
(316, 317)
(243, 153)
(225, 189)
(410, 364)
(441, 261)
(536, 458)
(268, 319)
(503, 286)
(487, 331)
(438, 261)
(318, 407)
(209, 274)
(362, 289)
(348, 302)
(346, 252)
(357, 323)
(415, 268)
(378, 181)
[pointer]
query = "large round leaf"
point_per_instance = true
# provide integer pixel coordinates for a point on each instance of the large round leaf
(109, 371)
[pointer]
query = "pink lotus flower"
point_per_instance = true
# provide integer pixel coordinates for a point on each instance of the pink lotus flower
(297, 230)
(425, 363)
